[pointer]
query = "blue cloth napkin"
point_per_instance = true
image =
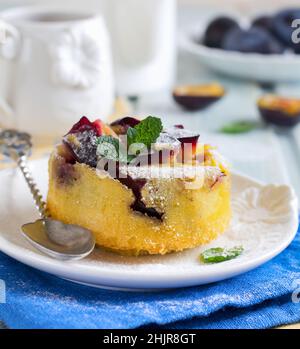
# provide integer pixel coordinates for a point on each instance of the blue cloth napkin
(261, 298)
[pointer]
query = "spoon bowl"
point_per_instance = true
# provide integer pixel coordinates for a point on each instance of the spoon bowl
(58, 240)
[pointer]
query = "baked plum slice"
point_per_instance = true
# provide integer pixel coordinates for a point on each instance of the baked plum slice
(282, 26)
(121, 126)
(279, 110)
(163, 151)
(187, 139)
(253, 40)
(84, 124)
(216, 30)
(182, 135)
(81, 141)
(198, 97)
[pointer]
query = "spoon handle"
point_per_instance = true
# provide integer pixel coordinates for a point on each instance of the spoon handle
(37, 196)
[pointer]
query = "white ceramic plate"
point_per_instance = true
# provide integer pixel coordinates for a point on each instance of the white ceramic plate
(265, 220)
(252, 66)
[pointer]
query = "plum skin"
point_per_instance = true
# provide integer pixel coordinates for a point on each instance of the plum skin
(282, 26)
(216, 30)
(253, 40)
(198, 96)
(264, 22)
(194, 103)
(121, 126)
(278, 117)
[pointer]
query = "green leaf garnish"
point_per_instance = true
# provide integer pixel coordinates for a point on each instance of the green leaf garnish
(139, 138)
(219, 254)
(110, 148)
(131, 133)
(241, 126)
(146, 132)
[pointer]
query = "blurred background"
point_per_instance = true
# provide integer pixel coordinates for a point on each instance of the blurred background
(96, 5)
(147, 48)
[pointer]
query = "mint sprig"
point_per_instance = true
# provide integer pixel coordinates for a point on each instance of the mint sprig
(219, 254)
(110, 148)
(241, 126)
(146, 132)
(139, 138)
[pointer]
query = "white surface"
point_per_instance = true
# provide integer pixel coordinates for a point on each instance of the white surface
(251, 66)
(265, 221)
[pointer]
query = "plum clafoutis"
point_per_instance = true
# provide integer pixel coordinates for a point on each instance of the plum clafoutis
(198, 97)
(151, 209)
(216, 30)
(278, 110)
(253, 40)
(282, 27)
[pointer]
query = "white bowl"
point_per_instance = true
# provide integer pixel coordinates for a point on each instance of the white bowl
(252, 66)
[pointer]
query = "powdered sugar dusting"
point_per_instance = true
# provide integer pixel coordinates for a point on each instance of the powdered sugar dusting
(179, 132)
(169, 172)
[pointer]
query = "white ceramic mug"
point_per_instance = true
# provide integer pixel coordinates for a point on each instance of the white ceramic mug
(56, 66)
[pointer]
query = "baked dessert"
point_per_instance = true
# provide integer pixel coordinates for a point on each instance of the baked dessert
(140, 188)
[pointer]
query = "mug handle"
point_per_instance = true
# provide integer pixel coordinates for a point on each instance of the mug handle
(9, 45)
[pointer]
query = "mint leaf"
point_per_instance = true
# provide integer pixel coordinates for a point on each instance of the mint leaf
(219, 254)
(146, 132)
(110, 148)
(131, 134)
(241, 126)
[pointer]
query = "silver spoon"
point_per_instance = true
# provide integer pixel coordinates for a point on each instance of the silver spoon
(52, 237)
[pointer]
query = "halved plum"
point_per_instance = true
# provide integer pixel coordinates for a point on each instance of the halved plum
(197, 97)
(279, 110)
(121, 126)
